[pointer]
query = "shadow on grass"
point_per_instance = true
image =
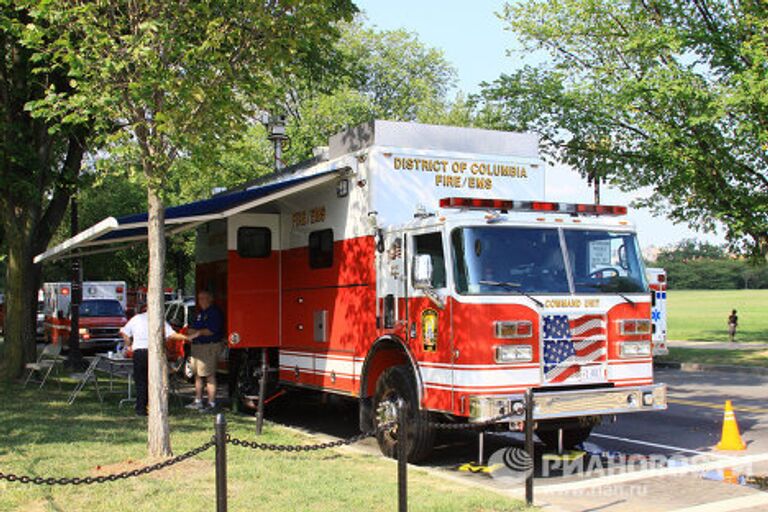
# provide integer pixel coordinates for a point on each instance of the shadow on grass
(31, 416)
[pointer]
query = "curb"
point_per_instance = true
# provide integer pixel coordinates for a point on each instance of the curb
(699, 367)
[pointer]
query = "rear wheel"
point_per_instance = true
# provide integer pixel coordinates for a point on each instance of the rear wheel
(572, 437)
(245, 376)
(397, 383)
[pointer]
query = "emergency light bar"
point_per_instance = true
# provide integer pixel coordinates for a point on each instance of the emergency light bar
(531, 206)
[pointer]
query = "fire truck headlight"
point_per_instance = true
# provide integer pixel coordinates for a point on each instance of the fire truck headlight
(513, 353)
(513, 329)
(647, 398)
(635, 326)
(83, 331)
(234, 338)
(629, 349)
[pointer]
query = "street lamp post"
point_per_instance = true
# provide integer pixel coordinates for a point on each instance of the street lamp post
(75, 357)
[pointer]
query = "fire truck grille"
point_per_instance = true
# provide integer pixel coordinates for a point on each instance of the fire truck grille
(573, 403)
(106, 332)
(572, 343)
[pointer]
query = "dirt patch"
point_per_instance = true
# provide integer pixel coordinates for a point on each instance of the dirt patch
(187, 469)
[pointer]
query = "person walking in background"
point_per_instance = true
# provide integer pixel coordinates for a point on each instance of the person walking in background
(206, 332)
(136, 335)
(733, 323)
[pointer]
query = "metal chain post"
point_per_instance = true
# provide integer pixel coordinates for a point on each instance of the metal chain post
(220, 426)
(262, 392)
(529, 446)
(402, 457)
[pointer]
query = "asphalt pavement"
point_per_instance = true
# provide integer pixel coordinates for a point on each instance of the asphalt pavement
(657, 461)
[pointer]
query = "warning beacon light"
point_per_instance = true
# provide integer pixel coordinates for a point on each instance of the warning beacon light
(505, 205)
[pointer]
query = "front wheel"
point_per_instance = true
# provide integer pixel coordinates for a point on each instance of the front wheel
(397, 383)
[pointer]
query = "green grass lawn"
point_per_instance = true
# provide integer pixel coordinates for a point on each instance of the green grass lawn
(41, 436)
(701, 315)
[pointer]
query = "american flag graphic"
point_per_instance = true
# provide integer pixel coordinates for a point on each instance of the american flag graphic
(570, 342)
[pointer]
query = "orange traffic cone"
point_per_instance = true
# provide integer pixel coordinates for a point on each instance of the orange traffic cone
(731, 439)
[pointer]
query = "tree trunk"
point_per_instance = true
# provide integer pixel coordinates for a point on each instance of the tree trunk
(158, 429)
(19, 346)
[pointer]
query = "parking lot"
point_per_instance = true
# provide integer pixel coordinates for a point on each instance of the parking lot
(655, 461)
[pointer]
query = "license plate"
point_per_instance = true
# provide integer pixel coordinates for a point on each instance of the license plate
(591, 373)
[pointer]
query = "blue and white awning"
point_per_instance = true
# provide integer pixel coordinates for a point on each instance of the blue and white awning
(113, 233)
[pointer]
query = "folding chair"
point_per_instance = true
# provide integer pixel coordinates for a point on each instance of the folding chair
(49, 357)
(82, 379)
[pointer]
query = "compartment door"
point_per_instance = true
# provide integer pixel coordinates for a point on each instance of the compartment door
(253, 302)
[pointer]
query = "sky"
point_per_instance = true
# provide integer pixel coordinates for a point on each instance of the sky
(475, 42)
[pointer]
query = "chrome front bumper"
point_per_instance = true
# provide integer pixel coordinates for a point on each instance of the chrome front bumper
(571, 404)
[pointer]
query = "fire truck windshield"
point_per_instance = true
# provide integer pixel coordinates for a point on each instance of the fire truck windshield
(604, 262)
(101, 307)
(506, 260)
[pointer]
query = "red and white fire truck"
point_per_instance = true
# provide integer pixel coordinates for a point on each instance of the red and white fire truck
(421, 262)
(657, 282)
(102, 313)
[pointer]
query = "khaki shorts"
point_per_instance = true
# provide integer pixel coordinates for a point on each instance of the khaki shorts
(205, 358)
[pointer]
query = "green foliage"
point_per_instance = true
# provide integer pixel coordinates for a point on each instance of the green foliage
(692, 265)
(114, 195)
(382, 74)
(665, 94)
(41, 151)
(178, 80)
(690, 249)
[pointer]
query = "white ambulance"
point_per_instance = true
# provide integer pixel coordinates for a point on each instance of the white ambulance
(657, 281)
(102, 313)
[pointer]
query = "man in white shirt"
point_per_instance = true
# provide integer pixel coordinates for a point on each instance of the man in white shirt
(136, 335)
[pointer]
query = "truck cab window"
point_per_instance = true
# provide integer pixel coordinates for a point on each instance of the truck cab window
(507, 260)
(254, 242)
(321, 249)
(602, 261)
(432, 245)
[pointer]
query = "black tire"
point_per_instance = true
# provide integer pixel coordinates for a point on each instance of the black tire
(245, 379)
(395, 383)
(572, 437)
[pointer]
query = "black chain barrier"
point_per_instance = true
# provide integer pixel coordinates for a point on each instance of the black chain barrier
(38, 480)
(472, 426)
(308, 447)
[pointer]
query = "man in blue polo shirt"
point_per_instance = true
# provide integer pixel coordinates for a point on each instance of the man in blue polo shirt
(206, 332)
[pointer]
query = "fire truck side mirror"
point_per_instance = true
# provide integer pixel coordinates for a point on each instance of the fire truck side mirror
(422, 271)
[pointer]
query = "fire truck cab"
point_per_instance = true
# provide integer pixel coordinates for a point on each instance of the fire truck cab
(421, 263)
